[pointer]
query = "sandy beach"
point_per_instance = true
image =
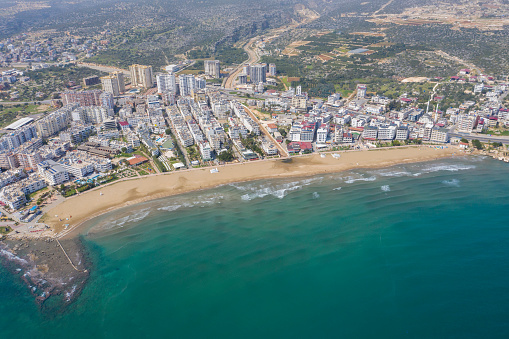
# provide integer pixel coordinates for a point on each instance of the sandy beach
(93, 203)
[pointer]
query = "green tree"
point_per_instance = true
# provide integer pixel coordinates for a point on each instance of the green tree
(226, 156)
(463, 140)
(477, 144)
(168, 131)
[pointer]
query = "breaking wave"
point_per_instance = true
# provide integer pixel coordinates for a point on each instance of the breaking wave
(453, 183)
(8, 255)
(385, 188)
(137, 216)
(256, 190)
(201, 200)
(351, 180)
(445, 167)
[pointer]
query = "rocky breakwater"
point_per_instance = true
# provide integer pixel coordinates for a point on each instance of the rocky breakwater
(54, 271)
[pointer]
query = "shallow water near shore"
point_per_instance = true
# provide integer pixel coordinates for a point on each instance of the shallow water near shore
(416, 250)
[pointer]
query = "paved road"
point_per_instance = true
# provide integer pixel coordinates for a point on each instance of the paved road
(481, 137)
(282, 151)
(253, 58)
(253, 55)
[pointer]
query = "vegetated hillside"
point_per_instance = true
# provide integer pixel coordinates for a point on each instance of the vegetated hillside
(487, 50)
(153, 31)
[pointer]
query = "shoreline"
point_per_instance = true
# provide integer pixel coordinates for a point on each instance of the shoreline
(91, 204)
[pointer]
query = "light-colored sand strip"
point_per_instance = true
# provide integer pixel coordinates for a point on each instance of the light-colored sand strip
(124, 193)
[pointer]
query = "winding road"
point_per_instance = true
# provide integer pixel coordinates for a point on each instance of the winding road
(253, 58)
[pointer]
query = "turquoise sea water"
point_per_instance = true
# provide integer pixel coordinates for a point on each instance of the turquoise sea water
(412, 251)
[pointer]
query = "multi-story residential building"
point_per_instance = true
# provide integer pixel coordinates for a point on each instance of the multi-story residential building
(258, 73)
(370, 133)
(84, 98)
(212, 68)
(466, 123)
(77, 167)
(120, 80)
(242, 78)
(200, 83)
(166, 83)
(402, 133)
(141, 76)
(31, 184)
(186, 84)
(12, 197)
(110, 84)
(220, 108)
(333, 99)
(11, 176)
(53, 172)
(440, 134)
(8, 160)
(272, 69)
(361, 91)
(205, 150)
(91, 115)
(107, 100)
(77, 133)
(91, 81)
(18, 137)
(28, 159)
(321, 134)
(386, 132)
(55, 122)
(300, 101)
(246, 69)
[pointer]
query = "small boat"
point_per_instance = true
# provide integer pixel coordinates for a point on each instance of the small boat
(337, 156)
(322, 155)
(214, 170)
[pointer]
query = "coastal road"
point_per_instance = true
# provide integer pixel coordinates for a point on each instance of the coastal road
(481, 137)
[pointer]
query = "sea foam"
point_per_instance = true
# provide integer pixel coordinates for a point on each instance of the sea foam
(255, 190)
(453, 182)
(351, 180)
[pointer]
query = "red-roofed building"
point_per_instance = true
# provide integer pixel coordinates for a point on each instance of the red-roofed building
(124, 125)
(272, 128)
(136, 160)
(297, 146)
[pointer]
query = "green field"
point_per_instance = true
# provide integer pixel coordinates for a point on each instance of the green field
(10, 113)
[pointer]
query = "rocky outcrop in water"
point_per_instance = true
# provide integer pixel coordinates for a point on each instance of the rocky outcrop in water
(55, 278)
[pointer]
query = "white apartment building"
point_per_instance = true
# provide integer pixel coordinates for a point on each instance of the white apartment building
(370, 133)
(386, 132)
(166, 83)
(321, 134)
(212, 68)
